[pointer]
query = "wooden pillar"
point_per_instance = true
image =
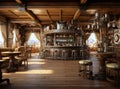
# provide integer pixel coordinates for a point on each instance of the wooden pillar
(7, 34)
(10, 35)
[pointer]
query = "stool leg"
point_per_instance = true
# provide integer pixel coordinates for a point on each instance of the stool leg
(85, 71)
(82, 71)
(117, 78)
(89, 71)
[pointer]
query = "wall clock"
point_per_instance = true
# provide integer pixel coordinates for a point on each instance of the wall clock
(117, 36)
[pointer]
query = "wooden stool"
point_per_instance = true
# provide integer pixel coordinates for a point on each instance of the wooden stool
(82, 54)
(64, 54)
(56, 54)
(47, 53)
(113, 73)
(85, 68)
(74, 54)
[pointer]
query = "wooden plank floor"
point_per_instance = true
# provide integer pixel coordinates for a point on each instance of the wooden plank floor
(51, 74)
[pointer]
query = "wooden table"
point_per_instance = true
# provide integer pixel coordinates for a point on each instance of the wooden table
(2, 80)
(102, 58)
(11, 54)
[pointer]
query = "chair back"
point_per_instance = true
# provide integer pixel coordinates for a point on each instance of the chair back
(24, 52)
(0, 55)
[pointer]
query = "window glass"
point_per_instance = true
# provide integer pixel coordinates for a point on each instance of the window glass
(33, 41)
(92, 40)
(1, 38)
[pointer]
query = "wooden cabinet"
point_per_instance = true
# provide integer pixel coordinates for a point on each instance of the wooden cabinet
(62, 38)
(60, 44)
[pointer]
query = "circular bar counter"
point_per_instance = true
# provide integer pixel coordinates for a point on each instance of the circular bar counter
(63, 52)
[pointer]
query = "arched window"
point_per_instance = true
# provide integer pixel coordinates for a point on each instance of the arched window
(92, 40)
(1, 38)
(33, 41)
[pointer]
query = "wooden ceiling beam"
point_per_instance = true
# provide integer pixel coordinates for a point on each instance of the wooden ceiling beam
(61, 15)
(29, 21)
(104, 5)
(61, 4)
(19, 1)
(30, 13)
(83, 1)
(33, 17)
(76, 15)
(29, 28)
(32, 5)
(22, 21)
(49, 16)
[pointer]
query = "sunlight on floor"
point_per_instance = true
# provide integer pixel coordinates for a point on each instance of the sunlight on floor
(36, 62)
(32, 72)
(36, 72)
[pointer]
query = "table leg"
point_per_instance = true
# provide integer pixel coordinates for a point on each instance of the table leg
(12, 67)
(2, 80)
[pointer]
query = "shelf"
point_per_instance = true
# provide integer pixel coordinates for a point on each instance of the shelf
(62, 46)
(65, 31)
(67, 40)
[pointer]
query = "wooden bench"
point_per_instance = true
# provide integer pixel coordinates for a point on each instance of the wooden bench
(5, 58)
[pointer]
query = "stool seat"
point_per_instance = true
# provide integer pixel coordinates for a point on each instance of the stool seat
(85, 68)
(85, 62)
(113, 73)
(113, 65)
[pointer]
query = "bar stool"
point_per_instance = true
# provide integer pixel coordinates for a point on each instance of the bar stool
(82, 54)
(64, 54)
(74, 54)
(113, 73)
(51, 53)
(85, 68)
(46, 52)
(56, 54)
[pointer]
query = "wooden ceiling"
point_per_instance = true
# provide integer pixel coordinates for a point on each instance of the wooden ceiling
(33, 14)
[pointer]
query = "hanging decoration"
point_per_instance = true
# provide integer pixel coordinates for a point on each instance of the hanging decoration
(117, 36)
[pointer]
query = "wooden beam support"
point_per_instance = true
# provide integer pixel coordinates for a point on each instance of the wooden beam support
(32, 5)
(33, 17)
(2, 19)
(19, 1)
(76, 15)
(83, 1)
(61, 15)
(49, 16)
(61, 4)
(30, 13)
(29, 21)
(34, 28)
(21, 21)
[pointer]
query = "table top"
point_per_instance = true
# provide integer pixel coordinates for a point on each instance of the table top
(2, 61)
(105, 53)
(9, 53)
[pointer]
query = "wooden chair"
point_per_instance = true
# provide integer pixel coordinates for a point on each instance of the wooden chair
(1, 66)
(23, 58)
